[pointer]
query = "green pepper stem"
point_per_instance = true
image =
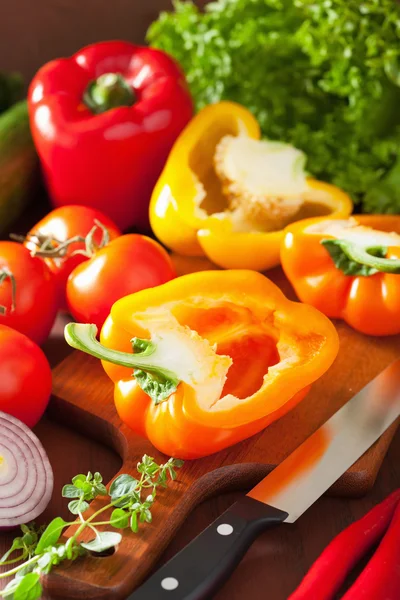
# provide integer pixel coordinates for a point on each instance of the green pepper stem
(82, 336)
(108, 91)
(365, 256)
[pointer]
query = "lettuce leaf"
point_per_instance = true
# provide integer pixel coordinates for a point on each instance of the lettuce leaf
(322, 75)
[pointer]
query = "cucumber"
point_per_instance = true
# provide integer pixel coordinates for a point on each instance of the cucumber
(11, 86)
(18, 163)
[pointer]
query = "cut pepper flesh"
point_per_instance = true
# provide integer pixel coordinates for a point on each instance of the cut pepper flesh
(203, 199)
(260, 348)
(240, 353)
(264, 182)
(348, 269)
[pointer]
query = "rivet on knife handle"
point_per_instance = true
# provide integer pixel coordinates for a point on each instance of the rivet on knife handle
(201, 568)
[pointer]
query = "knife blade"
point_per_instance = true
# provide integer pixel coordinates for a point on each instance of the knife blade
(199, 570)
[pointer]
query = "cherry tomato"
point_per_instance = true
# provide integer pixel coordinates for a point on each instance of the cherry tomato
(63, 224)
(25, 377)
(35, 303)
(126, 265)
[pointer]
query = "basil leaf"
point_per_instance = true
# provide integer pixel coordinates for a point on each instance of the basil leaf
(51, 535)
(104, 541)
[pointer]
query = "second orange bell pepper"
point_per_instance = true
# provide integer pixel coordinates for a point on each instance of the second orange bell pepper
(348, 269)
(216, 357)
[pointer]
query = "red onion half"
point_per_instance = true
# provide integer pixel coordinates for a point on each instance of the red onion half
(26, 476)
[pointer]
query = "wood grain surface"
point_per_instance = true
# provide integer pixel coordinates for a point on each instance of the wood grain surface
(82, 400)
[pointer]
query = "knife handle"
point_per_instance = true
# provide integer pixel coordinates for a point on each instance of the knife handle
(202, 567)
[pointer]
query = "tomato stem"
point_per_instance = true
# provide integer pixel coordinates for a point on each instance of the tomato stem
(6, 274)
(50, 247)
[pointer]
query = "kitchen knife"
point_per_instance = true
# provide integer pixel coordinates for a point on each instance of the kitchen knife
(200, 569)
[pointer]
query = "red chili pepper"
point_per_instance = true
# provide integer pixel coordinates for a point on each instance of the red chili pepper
(103, 122)
(380, 580)
(329, 571)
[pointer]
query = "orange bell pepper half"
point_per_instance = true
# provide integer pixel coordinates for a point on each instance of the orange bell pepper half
(216, 357)
(348, 269)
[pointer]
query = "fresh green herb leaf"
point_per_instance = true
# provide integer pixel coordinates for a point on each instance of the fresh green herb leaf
(24, 588)
(101, 489)
(119, 519)
(78, 506)
(42, 549)
(134, 522)
(71, 491)
(103, 541)
(51, 534)
(122, 486)
(79, 478)
(16, 545)
(24, 570)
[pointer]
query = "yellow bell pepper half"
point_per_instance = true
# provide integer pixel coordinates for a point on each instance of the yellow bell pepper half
(189, 210)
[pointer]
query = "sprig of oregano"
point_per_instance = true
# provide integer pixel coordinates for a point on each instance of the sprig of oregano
(131, 500)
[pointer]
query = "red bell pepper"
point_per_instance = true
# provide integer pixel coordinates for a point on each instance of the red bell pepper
(103, 122)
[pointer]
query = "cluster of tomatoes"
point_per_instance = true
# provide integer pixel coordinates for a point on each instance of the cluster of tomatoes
(75, 260)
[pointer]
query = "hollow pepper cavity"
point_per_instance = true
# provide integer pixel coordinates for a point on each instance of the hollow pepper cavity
(348, 269)
(216, 357)
(103, 122)
(226, 194)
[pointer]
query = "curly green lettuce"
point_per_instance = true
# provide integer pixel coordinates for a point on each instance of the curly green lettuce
(322, 75)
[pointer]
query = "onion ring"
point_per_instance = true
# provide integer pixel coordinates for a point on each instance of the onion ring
(26, 476)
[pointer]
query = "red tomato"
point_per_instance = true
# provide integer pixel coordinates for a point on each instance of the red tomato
(128, 264)
(25, 377)
(36, 292)
(63, 224)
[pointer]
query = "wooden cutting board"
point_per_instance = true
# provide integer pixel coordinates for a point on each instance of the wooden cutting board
(83, 400)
